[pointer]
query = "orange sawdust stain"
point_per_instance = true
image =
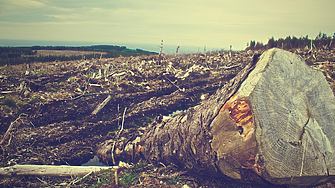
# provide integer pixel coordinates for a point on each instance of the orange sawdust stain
(239, 110)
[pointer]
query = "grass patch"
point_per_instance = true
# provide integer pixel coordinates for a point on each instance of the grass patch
(173, 181)
(53, 89)
(128, 178)
(105, 177)
(147, 120)
(140, 165)
(9, 102)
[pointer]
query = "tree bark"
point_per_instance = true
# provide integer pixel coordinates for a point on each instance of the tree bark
(276, 121)
(183, 139)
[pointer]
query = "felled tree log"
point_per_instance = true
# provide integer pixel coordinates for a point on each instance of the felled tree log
(51, 170)
(280, 123)
(276, 121)
(183, 139)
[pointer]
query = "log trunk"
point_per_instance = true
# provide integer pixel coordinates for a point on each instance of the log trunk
(276, 121)
(183, 139)
(51, 170)
(280, 123)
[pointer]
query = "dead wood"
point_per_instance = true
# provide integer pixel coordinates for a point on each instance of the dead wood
(51, 170)
(10, 128)
(219, 134)
(60, 128)
(183, 139)
(118, 135)
(101, 105)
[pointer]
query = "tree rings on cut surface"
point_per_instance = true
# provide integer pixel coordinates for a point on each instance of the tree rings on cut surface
(280, 124)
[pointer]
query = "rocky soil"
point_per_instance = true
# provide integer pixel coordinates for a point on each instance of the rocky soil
(58, 112)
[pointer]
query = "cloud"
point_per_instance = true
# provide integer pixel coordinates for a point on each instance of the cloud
(64, 16)
(189, 22)
(21, 3)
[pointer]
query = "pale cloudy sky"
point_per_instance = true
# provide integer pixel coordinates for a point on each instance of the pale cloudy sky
(211, 23)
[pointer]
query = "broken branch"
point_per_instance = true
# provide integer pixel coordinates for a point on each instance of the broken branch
(8, 130)
(118, 135)
(51, 170)
(101, 105)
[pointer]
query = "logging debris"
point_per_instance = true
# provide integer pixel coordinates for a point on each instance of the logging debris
(58, 99)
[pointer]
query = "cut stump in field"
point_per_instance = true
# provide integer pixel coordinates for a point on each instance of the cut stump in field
(275, 119)
(280, 123)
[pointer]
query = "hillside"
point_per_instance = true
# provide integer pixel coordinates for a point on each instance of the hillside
(57, 115)
(20, 55)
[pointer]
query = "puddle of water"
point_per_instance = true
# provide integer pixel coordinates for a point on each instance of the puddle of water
(94, 162)
(173, 113)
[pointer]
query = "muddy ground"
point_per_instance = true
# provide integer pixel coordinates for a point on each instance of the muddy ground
(59, 112)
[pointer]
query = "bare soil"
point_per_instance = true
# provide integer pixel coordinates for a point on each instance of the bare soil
(50, 111)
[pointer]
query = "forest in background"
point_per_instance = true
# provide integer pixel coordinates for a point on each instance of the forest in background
(19, 55)
(322, 40)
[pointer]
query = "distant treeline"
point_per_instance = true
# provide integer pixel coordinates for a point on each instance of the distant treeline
(19, 55)
(322, 40)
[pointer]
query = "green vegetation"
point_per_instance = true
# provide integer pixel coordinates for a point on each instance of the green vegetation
(293, 42)
(140, 165)
(9, 102)
(147, 121)
(19, 55)
(104, 178)
(173, 181)
(53, 89)
(128, 178)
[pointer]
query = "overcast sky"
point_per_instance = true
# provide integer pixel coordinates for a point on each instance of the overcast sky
(210, 23)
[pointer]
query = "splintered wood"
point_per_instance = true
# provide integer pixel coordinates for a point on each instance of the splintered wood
(234, 139)
(240, 111)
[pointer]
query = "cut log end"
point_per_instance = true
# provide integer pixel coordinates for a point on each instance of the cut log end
(234, 139)
(280, 124)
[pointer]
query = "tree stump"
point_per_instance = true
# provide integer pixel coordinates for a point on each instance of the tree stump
(275, 119)
(280, 123)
